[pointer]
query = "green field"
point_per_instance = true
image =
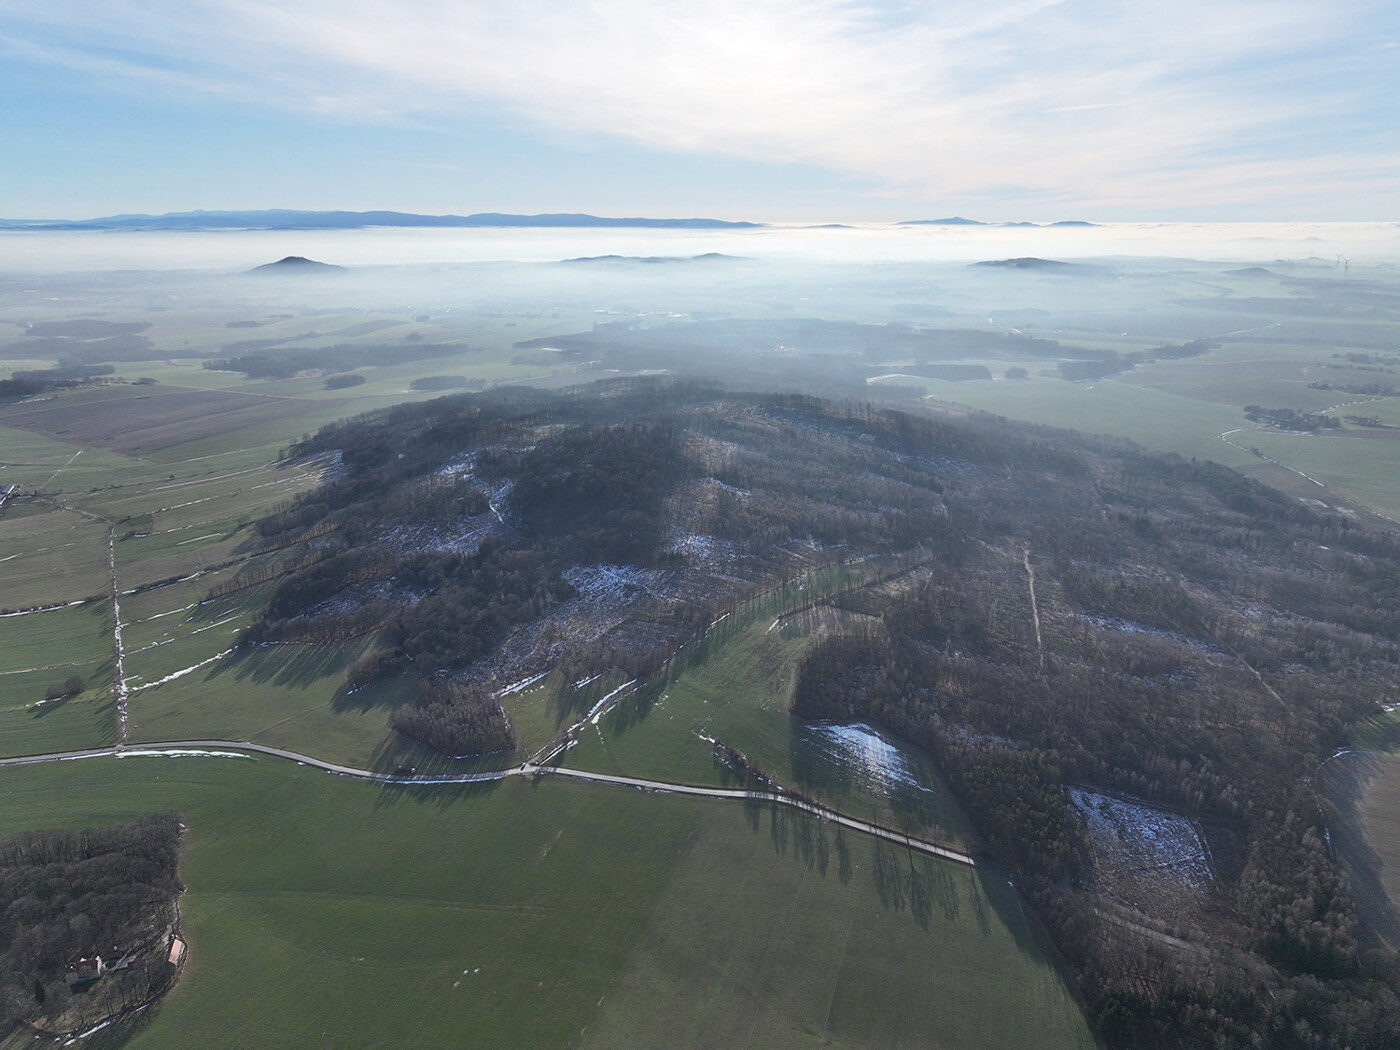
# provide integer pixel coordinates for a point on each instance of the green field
(736, 688)
(57, 638)
(50, 556)
(28, 728)
(1183, 406)
(322, 911)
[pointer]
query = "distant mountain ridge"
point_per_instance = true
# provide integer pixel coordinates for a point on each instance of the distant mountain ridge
(286, 219)
(292, 219)
(958, 220)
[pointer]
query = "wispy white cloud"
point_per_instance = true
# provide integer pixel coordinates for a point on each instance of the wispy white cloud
(1056, 100)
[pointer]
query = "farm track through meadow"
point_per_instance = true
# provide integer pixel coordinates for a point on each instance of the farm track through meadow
(118, 649)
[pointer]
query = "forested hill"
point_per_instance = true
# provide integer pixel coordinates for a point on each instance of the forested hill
(1077, 617)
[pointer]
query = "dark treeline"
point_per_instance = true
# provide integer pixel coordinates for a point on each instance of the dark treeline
(1364, 389)
(41, 381)
(1290, 419)
(1110, 362)
(283, 363)
(831, 359)
(343, 380)
(70, 895)
(84, 341)
(747, 337)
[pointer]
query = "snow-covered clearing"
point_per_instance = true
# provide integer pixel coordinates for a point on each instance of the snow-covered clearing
(1131, 838)
(1113, 623)
(611, 584)
(866, 751)
(461, 467)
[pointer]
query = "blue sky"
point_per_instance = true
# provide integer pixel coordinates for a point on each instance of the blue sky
(805, 110)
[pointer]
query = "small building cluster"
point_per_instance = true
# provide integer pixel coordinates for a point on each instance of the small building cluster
(85, 971)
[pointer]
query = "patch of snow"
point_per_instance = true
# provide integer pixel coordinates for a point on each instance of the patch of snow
(31, 612)
(133, 652)
(606, 584)
(741, 493)
(866, 749)
(172, 612)
(183, 753)
(597, 710)
(461, 467)
(206, 536)
(498, 498)
(1136, 836)
(183, 671)
(521, 685)
(191, 503)
(210, 627)
(1113, 623)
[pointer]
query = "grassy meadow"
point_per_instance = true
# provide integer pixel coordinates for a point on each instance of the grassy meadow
(324, 911)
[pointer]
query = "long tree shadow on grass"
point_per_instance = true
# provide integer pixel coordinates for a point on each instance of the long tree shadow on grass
(440, 796)
(287, 664)
(632, 708)
(1346, 779)
(386, 694)
(922, 884)
(801, 836)
(402, 756)
(806, 838)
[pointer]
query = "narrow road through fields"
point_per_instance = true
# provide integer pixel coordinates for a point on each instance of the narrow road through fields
(239, 748)
(1225, 437)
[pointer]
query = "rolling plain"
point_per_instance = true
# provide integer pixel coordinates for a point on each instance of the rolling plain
(538, 910)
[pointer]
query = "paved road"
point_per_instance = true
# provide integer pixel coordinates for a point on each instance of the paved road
(529, 769)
